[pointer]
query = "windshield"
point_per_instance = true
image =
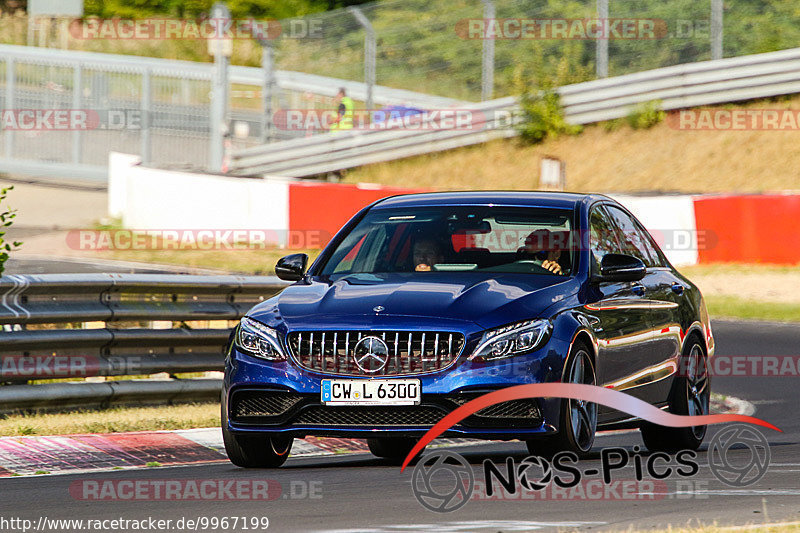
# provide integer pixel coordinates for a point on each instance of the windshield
(456, 238)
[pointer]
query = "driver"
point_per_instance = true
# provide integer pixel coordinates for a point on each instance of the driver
(546, 253)
(427, 253)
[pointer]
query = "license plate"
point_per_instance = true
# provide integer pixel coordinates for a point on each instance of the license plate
(371, 391)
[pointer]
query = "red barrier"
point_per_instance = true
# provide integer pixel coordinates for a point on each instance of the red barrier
(749, 229)
(326, 207)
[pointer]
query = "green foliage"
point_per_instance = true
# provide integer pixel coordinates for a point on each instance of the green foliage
(6, 218)
(543, 117)
(611, 125)
(542, 113)
(646, 115)
(275, 9)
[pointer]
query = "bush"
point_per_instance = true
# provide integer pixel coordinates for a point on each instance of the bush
(543, 117)
(646, 115)
(6, 218)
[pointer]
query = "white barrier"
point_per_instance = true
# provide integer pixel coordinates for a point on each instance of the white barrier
(154, 199)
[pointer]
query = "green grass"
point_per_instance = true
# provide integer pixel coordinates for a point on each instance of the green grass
(114, 420)
(733, 307)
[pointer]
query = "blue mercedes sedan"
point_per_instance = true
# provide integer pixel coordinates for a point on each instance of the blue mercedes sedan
(423, 302)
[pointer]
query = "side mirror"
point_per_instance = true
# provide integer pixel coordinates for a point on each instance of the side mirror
(620, 267)
(291, 267)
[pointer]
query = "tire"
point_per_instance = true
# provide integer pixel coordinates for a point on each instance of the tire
(690, 395)
(254, 451)
(394, 449)
(577, 419)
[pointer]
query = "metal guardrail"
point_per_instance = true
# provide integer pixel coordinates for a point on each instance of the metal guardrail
(682, 86)
(326, 153)
(115, 343)
(676, 87)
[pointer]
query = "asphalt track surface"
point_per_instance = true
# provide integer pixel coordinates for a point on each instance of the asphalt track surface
(360, 493)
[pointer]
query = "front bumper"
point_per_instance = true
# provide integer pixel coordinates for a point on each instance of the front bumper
(281, 398)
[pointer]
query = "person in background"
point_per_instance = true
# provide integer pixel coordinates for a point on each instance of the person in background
(344, 112)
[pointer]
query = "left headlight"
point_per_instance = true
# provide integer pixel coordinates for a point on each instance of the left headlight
(259, 340)
(512, 340)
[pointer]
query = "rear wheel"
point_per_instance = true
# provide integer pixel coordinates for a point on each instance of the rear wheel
(691, 394)
(393, 448)
(578, 418)
(254, 451)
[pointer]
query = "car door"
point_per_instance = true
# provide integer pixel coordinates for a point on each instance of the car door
(618, 312)
(660, 347)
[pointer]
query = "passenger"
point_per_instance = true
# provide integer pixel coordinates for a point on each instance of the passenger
(427, 253)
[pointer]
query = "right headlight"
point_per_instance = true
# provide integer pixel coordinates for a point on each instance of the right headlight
(512, 340)
(259, 340)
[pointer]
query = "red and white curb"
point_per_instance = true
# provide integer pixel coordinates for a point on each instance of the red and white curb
(69, 454)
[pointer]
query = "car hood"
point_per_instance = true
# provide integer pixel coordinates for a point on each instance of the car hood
(488, 300)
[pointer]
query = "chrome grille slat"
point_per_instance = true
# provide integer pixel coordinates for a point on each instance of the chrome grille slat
(411, 352)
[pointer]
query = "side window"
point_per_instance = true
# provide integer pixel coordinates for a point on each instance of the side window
(603, 238)
(650, 246)
(631, 240)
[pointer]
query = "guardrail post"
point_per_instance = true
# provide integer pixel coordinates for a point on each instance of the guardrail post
(268, 64)
(716, 29)
(77, 100)
(10, 79)
(601, 54)
(487, 58)
(369, 52)
(146, 147)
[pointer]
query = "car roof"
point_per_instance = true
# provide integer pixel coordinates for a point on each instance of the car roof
(568, 200)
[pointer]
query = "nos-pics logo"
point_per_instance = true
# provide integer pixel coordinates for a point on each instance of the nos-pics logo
(444, 481)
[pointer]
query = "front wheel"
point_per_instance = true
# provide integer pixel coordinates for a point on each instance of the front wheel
(690, 395)
(254, 451)
(578, 418)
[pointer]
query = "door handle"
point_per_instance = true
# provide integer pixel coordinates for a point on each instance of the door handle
(677, 288)
(638, 289)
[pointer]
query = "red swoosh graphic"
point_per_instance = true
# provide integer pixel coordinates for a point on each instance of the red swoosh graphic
(577, 391)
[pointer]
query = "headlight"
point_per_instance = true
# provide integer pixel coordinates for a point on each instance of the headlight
(259, 340)
(512, 339)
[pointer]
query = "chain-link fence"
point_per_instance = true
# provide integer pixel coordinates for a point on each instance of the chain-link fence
(67, 108)
(479, 49)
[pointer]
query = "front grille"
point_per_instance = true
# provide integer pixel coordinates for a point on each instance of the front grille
(343, 352)
(262, 404)
(412, 415)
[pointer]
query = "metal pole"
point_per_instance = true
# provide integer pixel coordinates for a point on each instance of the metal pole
(10, 79)
(370, 52)
(716, 29)
(77, 83)
(146, 146)
(219, 91)
(602, 40)
(268, 64)
(487, 60)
